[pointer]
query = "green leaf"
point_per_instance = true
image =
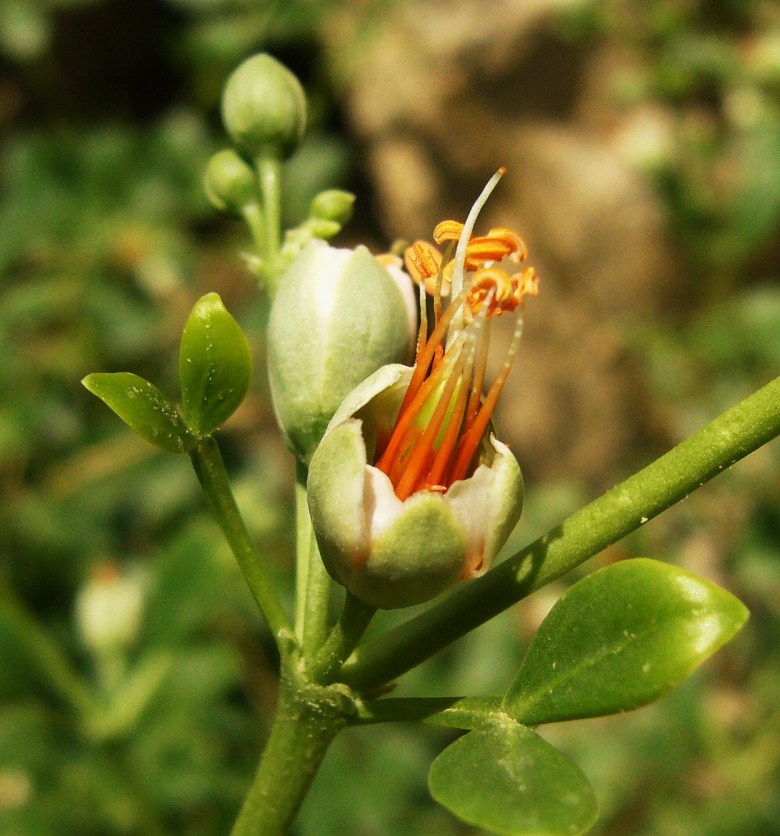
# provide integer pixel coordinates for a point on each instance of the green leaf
(620, 638)
(143, 407)
(215, 365)
(506, 779)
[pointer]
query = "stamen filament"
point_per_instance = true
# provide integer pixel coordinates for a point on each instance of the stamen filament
(423, 451)
(423, 361)
(479, 376)
(405, 417)
(472, 438)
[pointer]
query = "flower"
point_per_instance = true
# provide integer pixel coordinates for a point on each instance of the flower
(409, 490)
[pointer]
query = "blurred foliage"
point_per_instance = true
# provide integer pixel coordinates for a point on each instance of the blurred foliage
(106, 241)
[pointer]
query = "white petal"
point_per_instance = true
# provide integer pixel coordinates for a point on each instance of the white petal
(468, 500)
(381, 505)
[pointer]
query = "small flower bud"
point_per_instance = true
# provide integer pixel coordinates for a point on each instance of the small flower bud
(337, 316)
(108, 610)
(333, 205)
(264, 108)
(229, 182)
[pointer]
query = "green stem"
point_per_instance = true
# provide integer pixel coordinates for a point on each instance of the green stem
(302, 546)
(355, 618)
(313, 582)
(712, 449)
(211, 473)
(307, 719)
(268, 171)
(47, 655)
(453, 712)
(315, 625)
(253, 217)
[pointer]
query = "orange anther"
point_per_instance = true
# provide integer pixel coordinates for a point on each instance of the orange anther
(447, 231)
(517, 248)
(525, 284)
(494, 282)
(422, 261)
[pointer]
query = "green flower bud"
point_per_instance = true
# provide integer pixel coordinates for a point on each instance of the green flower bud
(337, 316)
(333, 205)
(264, 108)
(391, 552)
(229, 182)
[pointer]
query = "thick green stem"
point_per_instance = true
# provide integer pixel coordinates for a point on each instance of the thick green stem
(307, 719)
(211, 473)
(355, 618)
(712, 449)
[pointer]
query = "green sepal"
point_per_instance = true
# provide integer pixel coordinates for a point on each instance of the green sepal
(215, 365)
(506, 779)
(619, 639)
(143, 407)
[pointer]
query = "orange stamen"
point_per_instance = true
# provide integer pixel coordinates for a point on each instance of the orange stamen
(434, 479)
(447, 231)
(428, 353)
(408, 413)
(436, 443)
(473, 437)
(479, 377)
(423, 452)
(423, 263)
(495, 281)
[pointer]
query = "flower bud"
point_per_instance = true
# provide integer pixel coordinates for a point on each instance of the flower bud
(264, 108)
(391, 552)
(108, 610)
(337, 316)
(333, 205)
(229, 182)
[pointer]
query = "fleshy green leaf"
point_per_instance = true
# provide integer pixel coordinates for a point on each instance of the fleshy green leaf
(620, 638)
(506, 779)
(214, 365)
(143, 407)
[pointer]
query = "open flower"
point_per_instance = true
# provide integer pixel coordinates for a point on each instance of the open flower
(409, 490)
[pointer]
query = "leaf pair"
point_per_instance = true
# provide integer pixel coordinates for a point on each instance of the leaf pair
(618, 639)
(214, 371)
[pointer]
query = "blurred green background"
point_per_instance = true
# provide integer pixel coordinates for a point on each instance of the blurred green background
(643, 144)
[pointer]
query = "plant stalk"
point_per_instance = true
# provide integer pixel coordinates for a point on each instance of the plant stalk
(211, 473)
(307, 719)
(268, 171)
(355, 618)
